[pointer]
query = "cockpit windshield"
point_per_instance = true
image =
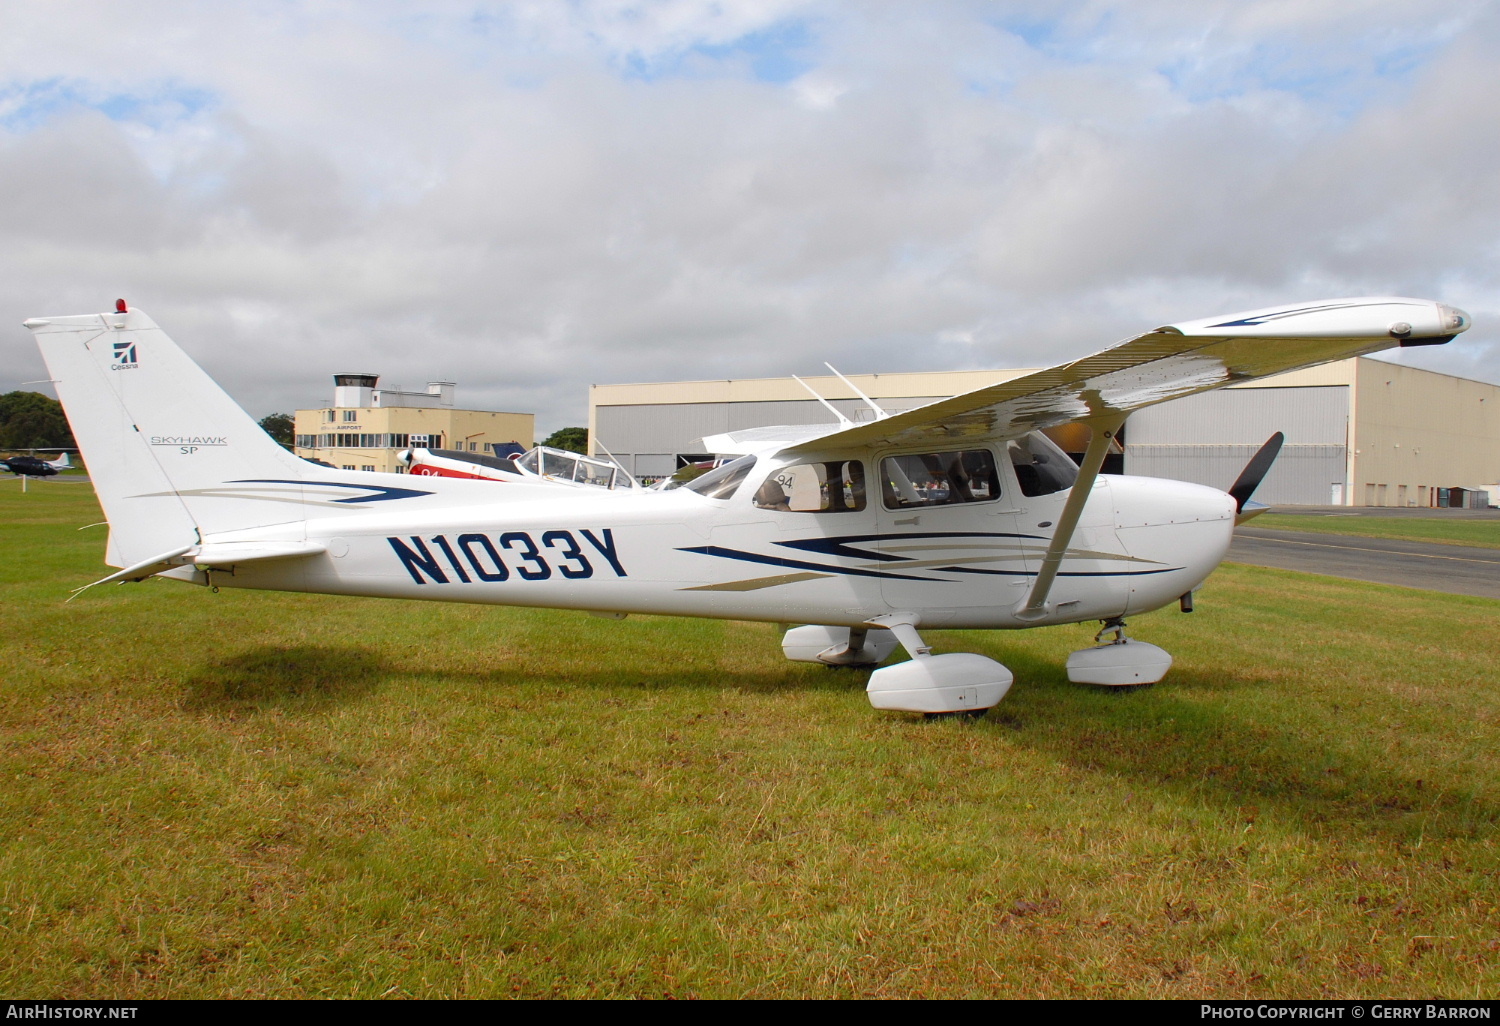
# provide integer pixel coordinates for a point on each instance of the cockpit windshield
(559, 465)
(1041, 467)
(722, 482)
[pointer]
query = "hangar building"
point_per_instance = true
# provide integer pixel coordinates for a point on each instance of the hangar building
(1360, 432)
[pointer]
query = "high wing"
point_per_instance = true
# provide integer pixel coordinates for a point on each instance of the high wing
(762, 439)
(1172, 361)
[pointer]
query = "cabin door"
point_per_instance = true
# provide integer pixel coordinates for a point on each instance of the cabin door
(948, 534)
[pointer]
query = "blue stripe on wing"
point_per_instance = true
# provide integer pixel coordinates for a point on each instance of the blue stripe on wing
(1276, 315)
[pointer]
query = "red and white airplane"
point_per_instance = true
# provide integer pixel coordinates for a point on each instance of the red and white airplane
(542, 463)
(959, 514)
(420, 462)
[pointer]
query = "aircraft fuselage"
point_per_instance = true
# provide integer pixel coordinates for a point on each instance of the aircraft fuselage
(1141, 543)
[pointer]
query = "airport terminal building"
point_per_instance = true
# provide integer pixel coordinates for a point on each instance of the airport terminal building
(364, 427)
(1360, 432)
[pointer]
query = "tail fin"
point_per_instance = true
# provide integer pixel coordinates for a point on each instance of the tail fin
(172, 457)
(61, 463)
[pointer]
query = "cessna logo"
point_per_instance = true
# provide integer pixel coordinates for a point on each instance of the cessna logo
(124, 356)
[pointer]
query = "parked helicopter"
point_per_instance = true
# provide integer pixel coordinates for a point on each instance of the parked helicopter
(958, 514)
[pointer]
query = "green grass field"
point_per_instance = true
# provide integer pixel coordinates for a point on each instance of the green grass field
(1481, 533)
(256, 794)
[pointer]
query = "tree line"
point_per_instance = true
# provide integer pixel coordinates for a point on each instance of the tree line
(30, 420)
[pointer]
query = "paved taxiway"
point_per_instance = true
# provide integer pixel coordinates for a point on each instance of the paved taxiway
(1456, 569)
(1386, 512)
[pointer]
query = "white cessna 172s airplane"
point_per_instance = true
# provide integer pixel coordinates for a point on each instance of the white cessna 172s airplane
(959, 514)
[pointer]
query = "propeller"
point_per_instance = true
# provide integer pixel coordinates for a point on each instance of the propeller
(1260, 464)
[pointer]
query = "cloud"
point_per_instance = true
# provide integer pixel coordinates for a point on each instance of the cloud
(530, 197)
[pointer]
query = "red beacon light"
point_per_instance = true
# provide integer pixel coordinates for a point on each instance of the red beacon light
(120, 306)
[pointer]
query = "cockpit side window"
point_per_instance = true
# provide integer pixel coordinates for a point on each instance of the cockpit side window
(828, 486)
(1041, 467)
(939, 478)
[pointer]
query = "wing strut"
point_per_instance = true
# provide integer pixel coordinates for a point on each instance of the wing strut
(1103, 431)
(843, 420)
(879, 413)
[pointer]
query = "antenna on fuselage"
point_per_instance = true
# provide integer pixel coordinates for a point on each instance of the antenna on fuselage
(843, 420)
(879, 413)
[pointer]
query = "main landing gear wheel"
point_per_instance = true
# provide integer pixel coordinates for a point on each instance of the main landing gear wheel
(953, 683)
(1120, 663)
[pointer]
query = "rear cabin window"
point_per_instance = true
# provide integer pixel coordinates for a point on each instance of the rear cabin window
(1041, 467)
(830, 486)
(939, 478)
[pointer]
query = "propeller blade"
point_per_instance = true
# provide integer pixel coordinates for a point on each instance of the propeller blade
(1260, 464)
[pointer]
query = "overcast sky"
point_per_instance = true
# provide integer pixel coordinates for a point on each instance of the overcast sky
(528, 197)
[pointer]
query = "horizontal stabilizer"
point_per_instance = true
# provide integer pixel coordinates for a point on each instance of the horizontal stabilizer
(140, 571)
(228, 553)
(212, 554)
